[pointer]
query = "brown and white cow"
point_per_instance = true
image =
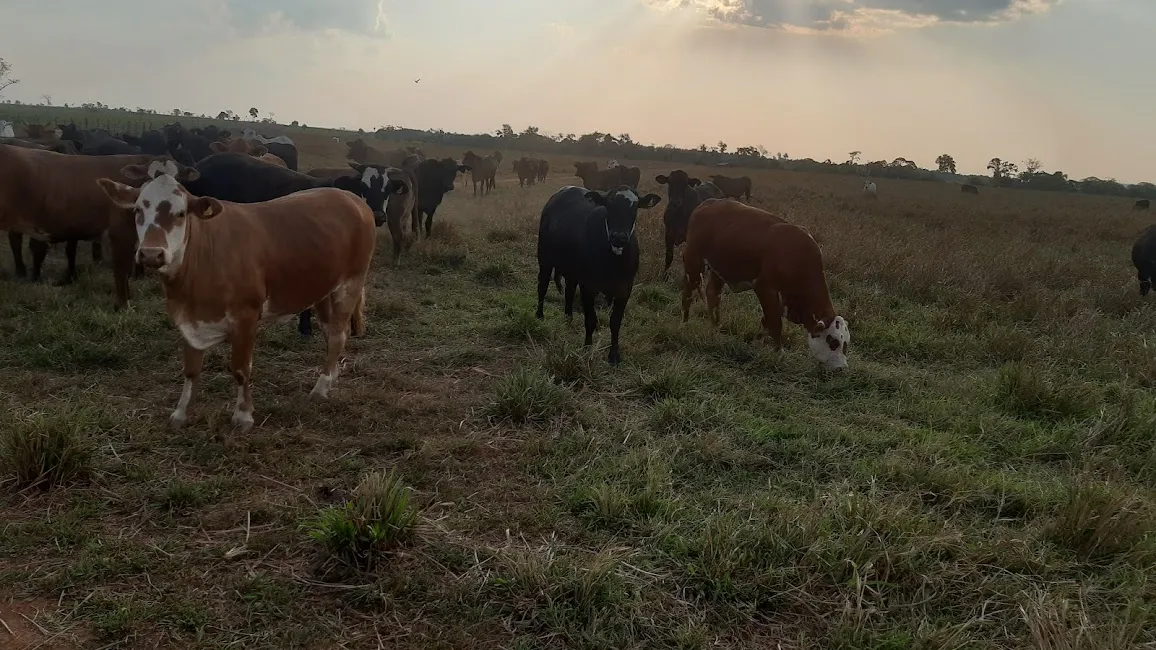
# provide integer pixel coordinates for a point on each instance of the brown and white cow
(226, 268)
(743, 248)
(735, 188)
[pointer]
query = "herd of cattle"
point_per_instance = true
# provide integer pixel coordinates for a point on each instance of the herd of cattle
(238, 236)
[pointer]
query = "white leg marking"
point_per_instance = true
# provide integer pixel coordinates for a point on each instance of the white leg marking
(242, 418)
(180, 416)
(324, 383)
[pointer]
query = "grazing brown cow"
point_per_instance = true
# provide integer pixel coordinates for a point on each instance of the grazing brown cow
(745, 248)
(599, 179)
(527, 170)
(482, 170)
(969, 189)
(42, 132)
(54, 197)
(1141, 204)
(248, 147)
(227, 268)
(733, 188)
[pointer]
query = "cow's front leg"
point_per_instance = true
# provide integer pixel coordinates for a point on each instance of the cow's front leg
(193, 362)
(244, 337)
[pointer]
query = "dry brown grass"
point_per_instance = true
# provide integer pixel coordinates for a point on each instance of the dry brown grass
(979, 469)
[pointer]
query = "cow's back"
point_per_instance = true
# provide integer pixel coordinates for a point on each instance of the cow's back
(57, 194)
(300, 246)
(240, 178)
(1144, 249)
(734, 238)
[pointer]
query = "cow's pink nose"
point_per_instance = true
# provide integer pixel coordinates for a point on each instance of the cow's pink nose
(151, 257)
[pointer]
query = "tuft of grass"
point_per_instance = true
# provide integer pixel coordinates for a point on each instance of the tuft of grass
(46, 449)
(1028, 392)
(1099, 522)
(521, 325)
(496, 274)
(528, 396)
(501, 236)
(446, 232)
(672, 380)
(375, 520)
(575, 364)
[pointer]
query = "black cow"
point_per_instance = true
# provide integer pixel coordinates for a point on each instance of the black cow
(434, 179)
(179, 138)
(683, 196)
(1144, 258)
(286, 152)
(1141, 204)
(969, 189)
(241, 178)
(150, 142)
(588, 237)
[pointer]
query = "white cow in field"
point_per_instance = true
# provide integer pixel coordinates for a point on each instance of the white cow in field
(250, 134)
(869, 190)
(6, 130)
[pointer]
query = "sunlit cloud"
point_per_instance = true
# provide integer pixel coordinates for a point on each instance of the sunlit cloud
(855, 17)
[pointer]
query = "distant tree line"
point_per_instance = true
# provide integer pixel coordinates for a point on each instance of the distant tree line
(623, 147)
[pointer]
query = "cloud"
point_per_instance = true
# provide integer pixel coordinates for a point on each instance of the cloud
(856, 17)
(366, 17)
(562, 29)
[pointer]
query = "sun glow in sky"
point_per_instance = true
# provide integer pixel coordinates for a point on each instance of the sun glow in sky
(1065, 81)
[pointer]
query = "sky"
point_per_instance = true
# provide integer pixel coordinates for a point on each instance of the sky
(1063, 81)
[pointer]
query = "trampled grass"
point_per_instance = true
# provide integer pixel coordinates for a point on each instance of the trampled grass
(981, 477)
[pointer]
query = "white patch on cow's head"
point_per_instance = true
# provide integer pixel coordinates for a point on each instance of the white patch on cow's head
(161, 221)
(829, 346)
(630, 196)
(612, 164)
(368, 175)
(162, 166)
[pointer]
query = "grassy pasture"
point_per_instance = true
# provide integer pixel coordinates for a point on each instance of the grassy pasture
(981, 477)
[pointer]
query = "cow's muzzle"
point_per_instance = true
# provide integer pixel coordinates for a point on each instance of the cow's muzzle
(378, 217)
(151, 258)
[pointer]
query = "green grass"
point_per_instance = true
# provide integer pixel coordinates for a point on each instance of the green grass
(982, 476)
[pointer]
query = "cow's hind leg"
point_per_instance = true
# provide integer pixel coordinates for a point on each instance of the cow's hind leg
(305, 323)
(342, 305)
(569, 300)
(244, 337)
(357, 318)
(193, 362)
(714, 288)
(39, 250)
(97, 252)
(544, 272)
(70, 273)
(772, 311)
(16, 242)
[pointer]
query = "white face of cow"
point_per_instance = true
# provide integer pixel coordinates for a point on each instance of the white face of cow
(161, 209)
(829, 346)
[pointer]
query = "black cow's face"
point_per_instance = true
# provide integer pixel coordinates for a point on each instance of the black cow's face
(374, 186)
(622, 207)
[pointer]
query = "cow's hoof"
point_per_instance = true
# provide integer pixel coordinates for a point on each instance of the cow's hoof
(243, 420)
(178, 421)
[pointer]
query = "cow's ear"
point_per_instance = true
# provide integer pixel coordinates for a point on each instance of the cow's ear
(122, 196)
(661, 178)
(135, 172)
(186, 173)
(358, 167)
(649, 201)
(596, 198)
(204, 207)
(217, 147)
(348, 183)
(258, 150)
(398, 187)
(694, 182)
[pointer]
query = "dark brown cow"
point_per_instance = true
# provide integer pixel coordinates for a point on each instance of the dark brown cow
(599, 179)
(361, 152)
(733, 187)
(683, 196)
(227, 268)
(248, 147)
(482, 170)
(527, 170)
(1141, 204)
(744, 248)
(54, 197)
(969, 189)
(543, 170)
(59, 146)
